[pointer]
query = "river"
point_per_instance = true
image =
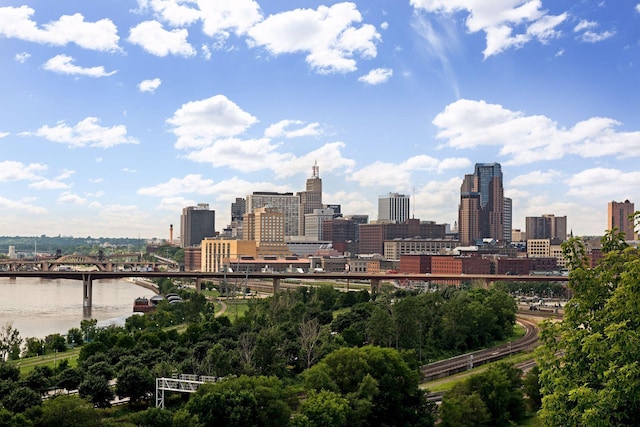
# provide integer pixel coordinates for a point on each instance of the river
(40, 307)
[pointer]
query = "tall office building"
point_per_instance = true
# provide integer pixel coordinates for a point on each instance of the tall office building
(481, 210)
(286, 203)
(508, 219)
(311, 198)
(546, 227)
(618, 216)
(196, 223)
(393, 207)
(266, 227)
(314, 223)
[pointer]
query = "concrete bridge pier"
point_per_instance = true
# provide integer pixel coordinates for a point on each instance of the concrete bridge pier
(87, 293)
(276, 285)
(198, 284)
(375, 285)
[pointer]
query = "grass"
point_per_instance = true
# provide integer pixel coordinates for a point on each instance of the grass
(51, 360)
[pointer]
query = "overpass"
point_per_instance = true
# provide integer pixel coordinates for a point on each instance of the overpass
(375, 279)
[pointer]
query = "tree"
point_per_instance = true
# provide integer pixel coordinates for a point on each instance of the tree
(96, 389)
(135, 382)
(325, 409)
(379, 383)
(74, 337)
(68, 411)
(493, 397)
(69, 379)
(309, 340)
(589, 370)
(20, 399)
(10, 342)
(242, 401)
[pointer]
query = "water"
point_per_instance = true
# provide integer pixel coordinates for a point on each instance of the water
(40, 307)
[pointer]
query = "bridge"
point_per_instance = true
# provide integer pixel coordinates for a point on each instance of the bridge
(375, 279)
(125, 261)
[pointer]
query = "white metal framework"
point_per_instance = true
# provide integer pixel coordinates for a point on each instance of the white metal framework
(183, 383)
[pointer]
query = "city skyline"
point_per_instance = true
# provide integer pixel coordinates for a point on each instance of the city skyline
(117, 115)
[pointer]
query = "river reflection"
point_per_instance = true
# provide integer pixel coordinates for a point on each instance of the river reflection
(39, 307)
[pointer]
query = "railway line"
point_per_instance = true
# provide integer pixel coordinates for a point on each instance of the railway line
(467, 361)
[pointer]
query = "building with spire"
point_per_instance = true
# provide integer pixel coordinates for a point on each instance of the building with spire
(311, 198)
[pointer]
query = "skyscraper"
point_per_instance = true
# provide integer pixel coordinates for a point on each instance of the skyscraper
(311, 198)
(196, 223)
(287, 203)
(481, 210)
(618, 217)
(546, 227)
(393, 207)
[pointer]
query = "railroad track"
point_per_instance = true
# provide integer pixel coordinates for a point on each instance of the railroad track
(444, 368)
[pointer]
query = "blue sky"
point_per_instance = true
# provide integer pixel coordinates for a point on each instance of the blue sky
(117, 114)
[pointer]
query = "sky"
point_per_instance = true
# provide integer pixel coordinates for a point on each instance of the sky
(117, 114)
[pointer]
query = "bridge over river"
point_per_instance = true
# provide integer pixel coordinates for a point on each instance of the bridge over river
(375, 279)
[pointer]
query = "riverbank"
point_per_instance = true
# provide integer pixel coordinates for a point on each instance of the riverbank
(144, 283)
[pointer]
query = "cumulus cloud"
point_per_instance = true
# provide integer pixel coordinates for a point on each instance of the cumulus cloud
(590, 36)
(328, 35)
(192, 183)
(87, 132)
(4, 134)
(67, 198)
(18, 171)
(604, 183)
(535, 178)
(16, 22)
(376, 76)
(283, 129)
(525, 139)
(638, 8)
(22, 57)
(63, 64)
(506, 23)
(153, 38)
(201, 123)
(149, 85)
(23, 205)
(398, 175)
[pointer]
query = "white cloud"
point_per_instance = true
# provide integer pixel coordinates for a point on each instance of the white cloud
(585, 24)
(102, 35)
(384, 25)
(18, 171)
(63, 64)
(279, 129)
(68, 198)
(604, 183)
(499, 19)
(174, 12)
(23, 205)
(328, 35)
(22, 57)
(49, 184)
(247, 155)
(536, 178)
(638, 8)
(191, 183)
(220, 16)
(398, 175)
(376, 76)
(157, 41)
(593, 37)
(525, 139)
(4, 134)
(149, 85)
(201, 123)
(87, 132)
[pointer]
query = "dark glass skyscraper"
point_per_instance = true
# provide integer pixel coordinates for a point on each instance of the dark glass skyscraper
(481, 210)
(196, 223)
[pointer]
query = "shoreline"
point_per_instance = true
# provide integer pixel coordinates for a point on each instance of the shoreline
(147, 284)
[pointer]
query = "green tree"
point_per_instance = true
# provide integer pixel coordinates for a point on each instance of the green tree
(96, 389)
(461, 409)
(68, 411)
(589, 370)
(20, 399)
(10, 342)
(69, 379)
(136, 383)
(378, 381)
(74, 337)
(153, 417)
(242, 401)
(326, 409)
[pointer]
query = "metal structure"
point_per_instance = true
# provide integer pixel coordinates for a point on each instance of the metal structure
(183, 383)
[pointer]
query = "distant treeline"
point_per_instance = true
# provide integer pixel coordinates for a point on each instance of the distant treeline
(65, 244)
